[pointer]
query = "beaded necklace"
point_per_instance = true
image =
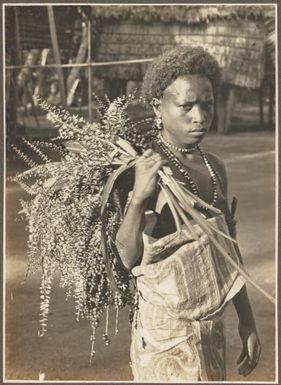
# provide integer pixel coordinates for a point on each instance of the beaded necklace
(180, 149)
(194, 188)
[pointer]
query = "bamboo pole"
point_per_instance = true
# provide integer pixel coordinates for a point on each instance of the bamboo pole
(18, 40)
(89, 72)
(92, 64)
(56, 51)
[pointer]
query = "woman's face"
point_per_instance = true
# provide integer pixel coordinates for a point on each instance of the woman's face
(187, 110)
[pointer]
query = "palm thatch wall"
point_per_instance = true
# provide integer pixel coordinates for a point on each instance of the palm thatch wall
(236, 35)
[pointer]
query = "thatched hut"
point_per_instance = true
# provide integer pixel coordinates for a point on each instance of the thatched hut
(235, 35)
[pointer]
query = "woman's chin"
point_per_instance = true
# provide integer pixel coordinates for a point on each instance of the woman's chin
(194, 138)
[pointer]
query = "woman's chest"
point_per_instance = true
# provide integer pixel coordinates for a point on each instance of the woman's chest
(197, 178)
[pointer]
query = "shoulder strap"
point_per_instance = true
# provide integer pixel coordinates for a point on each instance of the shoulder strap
(105, 243)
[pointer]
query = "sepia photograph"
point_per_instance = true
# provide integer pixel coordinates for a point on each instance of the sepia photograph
(140, 192)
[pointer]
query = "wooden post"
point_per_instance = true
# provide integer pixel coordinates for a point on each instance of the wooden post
(89, 72)
(261, 106)
(225, 103)
(18, 42)
(73, 77)
(44, 56)
(220, 109)
(271, 92)
(56, 51)
(12, 56)
(229, 104)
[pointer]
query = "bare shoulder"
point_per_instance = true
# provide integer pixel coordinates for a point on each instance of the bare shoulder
(219, 167)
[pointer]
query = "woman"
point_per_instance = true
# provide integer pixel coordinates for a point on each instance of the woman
(177, 336)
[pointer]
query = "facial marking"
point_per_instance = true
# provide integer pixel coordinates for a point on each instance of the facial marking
(189, 89)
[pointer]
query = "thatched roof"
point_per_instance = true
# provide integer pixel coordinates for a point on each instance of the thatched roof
(237, 45)
(34, 27)
(182, 13)
(111, 38)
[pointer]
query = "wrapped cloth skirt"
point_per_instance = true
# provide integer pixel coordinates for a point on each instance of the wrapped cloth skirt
(183, 286)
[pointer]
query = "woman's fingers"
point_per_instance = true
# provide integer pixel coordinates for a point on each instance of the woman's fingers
(247, 367)
(254, 356)
(149, 159)
(146, 176)
(158, 164)
(254, 350)
(147, 153)
(248, 360)
(145, 157)
(242, 356)
(153, 159)
(244, 365)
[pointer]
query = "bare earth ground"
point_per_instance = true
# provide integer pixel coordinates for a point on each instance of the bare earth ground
(63, 353)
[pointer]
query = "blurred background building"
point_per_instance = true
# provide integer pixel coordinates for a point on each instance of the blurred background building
(67, 53)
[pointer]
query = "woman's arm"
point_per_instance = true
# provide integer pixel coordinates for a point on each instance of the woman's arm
(231, 222)
(251, 347)
(129, 236)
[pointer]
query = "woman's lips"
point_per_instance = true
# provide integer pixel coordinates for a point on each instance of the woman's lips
(197, 132)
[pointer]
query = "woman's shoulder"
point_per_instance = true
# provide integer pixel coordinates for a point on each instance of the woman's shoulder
(219, 166)
(215, 159)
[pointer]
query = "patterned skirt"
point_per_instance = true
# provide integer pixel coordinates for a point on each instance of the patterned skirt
(183, 288)
(194, 352)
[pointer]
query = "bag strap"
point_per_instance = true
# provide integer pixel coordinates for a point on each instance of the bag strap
(104, 238)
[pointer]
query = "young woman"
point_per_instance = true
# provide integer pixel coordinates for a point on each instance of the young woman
(177, 334)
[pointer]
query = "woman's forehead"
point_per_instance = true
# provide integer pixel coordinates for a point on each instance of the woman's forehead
(192, 86)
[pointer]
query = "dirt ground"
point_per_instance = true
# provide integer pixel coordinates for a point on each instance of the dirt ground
(63, 353)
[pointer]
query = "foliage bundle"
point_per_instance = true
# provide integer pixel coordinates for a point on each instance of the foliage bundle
(65, 229)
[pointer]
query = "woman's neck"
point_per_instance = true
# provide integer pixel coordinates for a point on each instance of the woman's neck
(177, 147)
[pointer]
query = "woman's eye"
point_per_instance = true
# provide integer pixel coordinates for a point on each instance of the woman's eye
(207, 105)
(186, 107)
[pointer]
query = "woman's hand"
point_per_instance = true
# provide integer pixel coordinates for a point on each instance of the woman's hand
(146, 177)
(251, 350)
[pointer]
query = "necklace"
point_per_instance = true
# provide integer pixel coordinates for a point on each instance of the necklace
(213, 175)
(194, 188)
(180, 149)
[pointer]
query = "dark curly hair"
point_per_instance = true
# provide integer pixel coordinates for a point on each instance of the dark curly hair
(180, 61)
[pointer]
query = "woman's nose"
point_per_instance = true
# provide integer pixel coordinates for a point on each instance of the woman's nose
(197, 114)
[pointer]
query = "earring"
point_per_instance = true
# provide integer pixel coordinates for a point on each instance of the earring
(158, 123)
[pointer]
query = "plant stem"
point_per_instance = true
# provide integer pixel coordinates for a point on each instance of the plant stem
(172, 208)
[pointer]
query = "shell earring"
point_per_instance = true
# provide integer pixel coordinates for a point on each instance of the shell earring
(158, 123)
(158, 120)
